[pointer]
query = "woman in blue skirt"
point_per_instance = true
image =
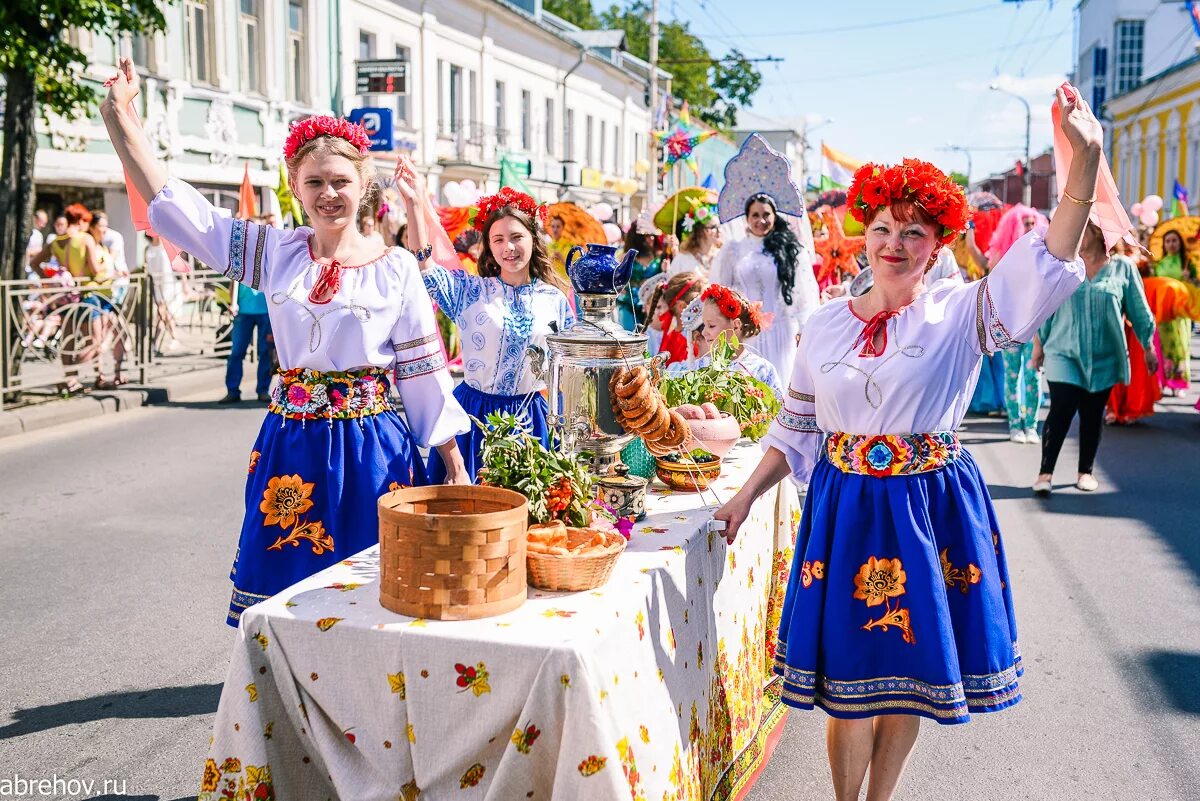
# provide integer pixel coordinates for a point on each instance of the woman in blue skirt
(899, 603)
(513, 303)
(345, 312)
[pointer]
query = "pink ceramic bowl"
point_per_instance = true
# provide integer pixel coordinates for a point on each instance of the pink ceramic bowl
(715, 436)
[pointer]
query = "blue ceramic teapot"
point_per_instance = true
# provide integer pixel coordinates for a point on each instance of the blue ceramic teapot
(598, 272)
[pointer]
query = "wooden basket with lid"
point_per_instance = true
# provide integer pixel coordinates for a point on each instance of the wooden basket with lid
(452, 552)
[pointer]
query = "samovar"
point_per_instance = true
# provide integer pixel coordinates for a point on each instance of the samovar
(583, 359)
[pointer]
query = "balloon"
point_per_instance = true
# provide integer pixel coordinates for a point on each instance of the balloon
(453, 193)
(1136, 209)
(641, 167)
(613, 232)
(1148, 218)
(601, 211)
(1152, 203)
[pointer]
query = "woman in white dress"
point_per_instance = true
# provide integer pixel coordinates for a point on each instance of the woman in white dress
(899, 603)
(344, 312)
(772, 266)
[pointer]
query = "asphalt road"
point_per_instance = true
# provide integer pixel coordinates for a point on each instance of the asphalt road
(116, 536)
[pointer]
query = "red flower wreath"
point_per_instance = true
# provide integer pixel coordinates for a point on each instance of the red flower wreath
(730, 304)
(311, 127)
(875, 186)
(490, 204)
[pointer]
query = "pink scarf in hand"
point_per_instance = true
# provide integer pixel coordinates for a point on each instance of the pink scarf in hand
(1107, 212)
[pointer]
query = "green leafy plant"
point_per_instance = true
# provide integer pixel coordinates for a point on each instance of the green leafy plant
(558, 485)
(751, 402)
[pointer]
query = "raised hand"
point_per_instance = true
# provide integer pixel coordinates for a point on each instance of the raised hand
(409, 182)
(124, 86)
(1077, 122)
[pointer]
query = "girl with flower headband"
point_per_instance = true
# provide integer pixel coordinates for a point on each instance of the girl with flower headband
(699, 232)
(899, 603)
(675, 293)
(773, 266)
(514, 302)
(727, 310)
(345, 312)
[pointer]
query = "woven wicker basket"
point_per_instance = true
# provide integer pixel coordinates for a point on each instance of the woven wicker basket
(452, 552)
(574, 572)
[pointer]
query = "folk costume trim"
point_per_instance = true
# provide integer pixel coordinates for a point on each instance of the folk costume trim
(305, 394)
(885, 455)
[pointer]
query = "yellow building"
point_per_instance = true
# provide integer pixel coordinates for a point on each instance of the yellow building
(1156, 134)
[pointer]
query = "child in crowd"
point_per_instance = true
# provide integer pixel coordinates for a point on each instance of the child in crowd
(678, 291)
(727, 311)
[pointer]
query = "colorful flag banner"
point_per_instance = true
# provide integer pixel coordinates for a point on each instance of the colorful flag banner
(1194, 13)
(1179, 206)
(513, 172)
(837, 168)
(247, 199)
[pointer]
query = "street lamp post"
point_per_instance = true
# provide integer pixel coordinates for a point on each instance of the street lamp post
(1027, 173)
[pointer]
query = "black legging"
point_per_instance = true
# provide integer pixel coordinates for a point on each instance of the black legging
(1065, 401)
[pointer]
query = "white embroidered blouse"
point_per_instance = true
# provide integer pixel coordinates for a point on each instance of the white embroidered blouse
(497, 322)
(379, 316)
(925, 371)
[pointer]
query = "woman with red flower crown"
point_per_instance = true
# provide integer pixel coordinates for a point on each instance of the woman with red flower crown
(345, 312)
(899, 604)
(514, 302)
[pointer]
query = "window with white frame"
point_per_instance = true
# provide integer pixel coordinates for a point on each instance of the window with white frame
(250, 45)
(456, 98)
(441, 96)
(1128, 38)
(618, 168)
(297, 75)
(405, 55)
(526, 120)
(501, 131)
(140, 47)
(550, 126)
(197, 22)
(569, 135)
(588, 153)
(603, 145)
(474, 112)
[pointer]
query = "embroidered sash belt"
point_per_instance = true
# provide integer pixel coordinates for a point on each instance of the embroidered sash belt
(882, 455)
(313, 395)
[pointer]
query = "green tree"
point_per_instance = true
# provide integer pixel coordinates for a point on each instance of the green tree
(960, 179)
(715, 88)
(43, 73)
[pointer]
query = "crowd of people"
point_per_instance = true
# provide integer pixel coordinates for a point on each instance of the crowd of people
(875, 373)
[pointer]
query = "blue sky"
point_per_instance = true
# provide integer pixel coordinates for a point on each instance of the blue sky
(901, 78)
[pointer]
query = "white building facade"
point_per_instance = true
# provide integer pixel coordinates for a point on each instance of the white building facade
(219, 87)
(488, 79)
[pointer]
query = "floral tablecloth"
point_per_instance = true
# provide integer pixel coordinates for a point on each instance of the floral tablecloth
(655, 686)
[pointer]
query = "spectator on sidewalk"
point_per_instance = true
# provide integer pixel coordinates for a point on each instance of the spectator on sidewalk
(249, 314)
(165, 288)
(114, 243)
(1082, 347)
(37, 239)
(60, 228)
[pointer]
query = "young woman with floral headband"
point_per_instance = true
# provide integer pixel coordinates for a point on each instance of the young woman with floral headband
(726, 311)
(344, 311)
(515, 301)
(700, 233)
(899, 604)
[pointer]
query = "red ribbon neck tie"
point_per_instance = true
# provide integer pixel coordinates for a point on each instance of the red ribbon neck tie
(328, 282)
(876, 325)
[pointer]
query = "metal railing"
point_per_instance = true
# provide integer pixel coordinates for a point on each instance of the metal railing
(56, 339)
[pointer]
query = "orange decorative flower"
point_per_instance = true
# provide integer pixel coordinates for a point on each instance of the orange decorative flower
(253, 461)
(592, 765)
(313, 532)
(472, 777)
(894, 617)
(284, 498)
(212, 777)
(963, 577)
(878, 580)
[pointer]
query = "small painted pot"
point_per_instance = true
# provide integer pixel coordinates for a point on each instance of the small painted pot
(626, 494)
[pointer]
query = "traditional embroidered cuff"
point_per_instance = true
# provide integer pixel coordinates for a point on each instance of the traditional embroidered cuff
(803, 423)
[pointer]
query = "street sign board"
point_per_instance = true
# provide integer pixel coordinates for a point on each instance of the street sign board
(378, 122)
(381, 76)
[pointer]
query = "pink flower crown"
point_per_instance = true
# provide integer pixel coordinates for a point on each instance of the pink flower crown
(490, 204)
(310, 128)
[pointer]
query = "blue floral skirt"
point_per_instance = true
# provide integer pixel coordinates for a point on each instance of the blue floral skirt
(899, 599)
(531, 409)
(314, 483)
